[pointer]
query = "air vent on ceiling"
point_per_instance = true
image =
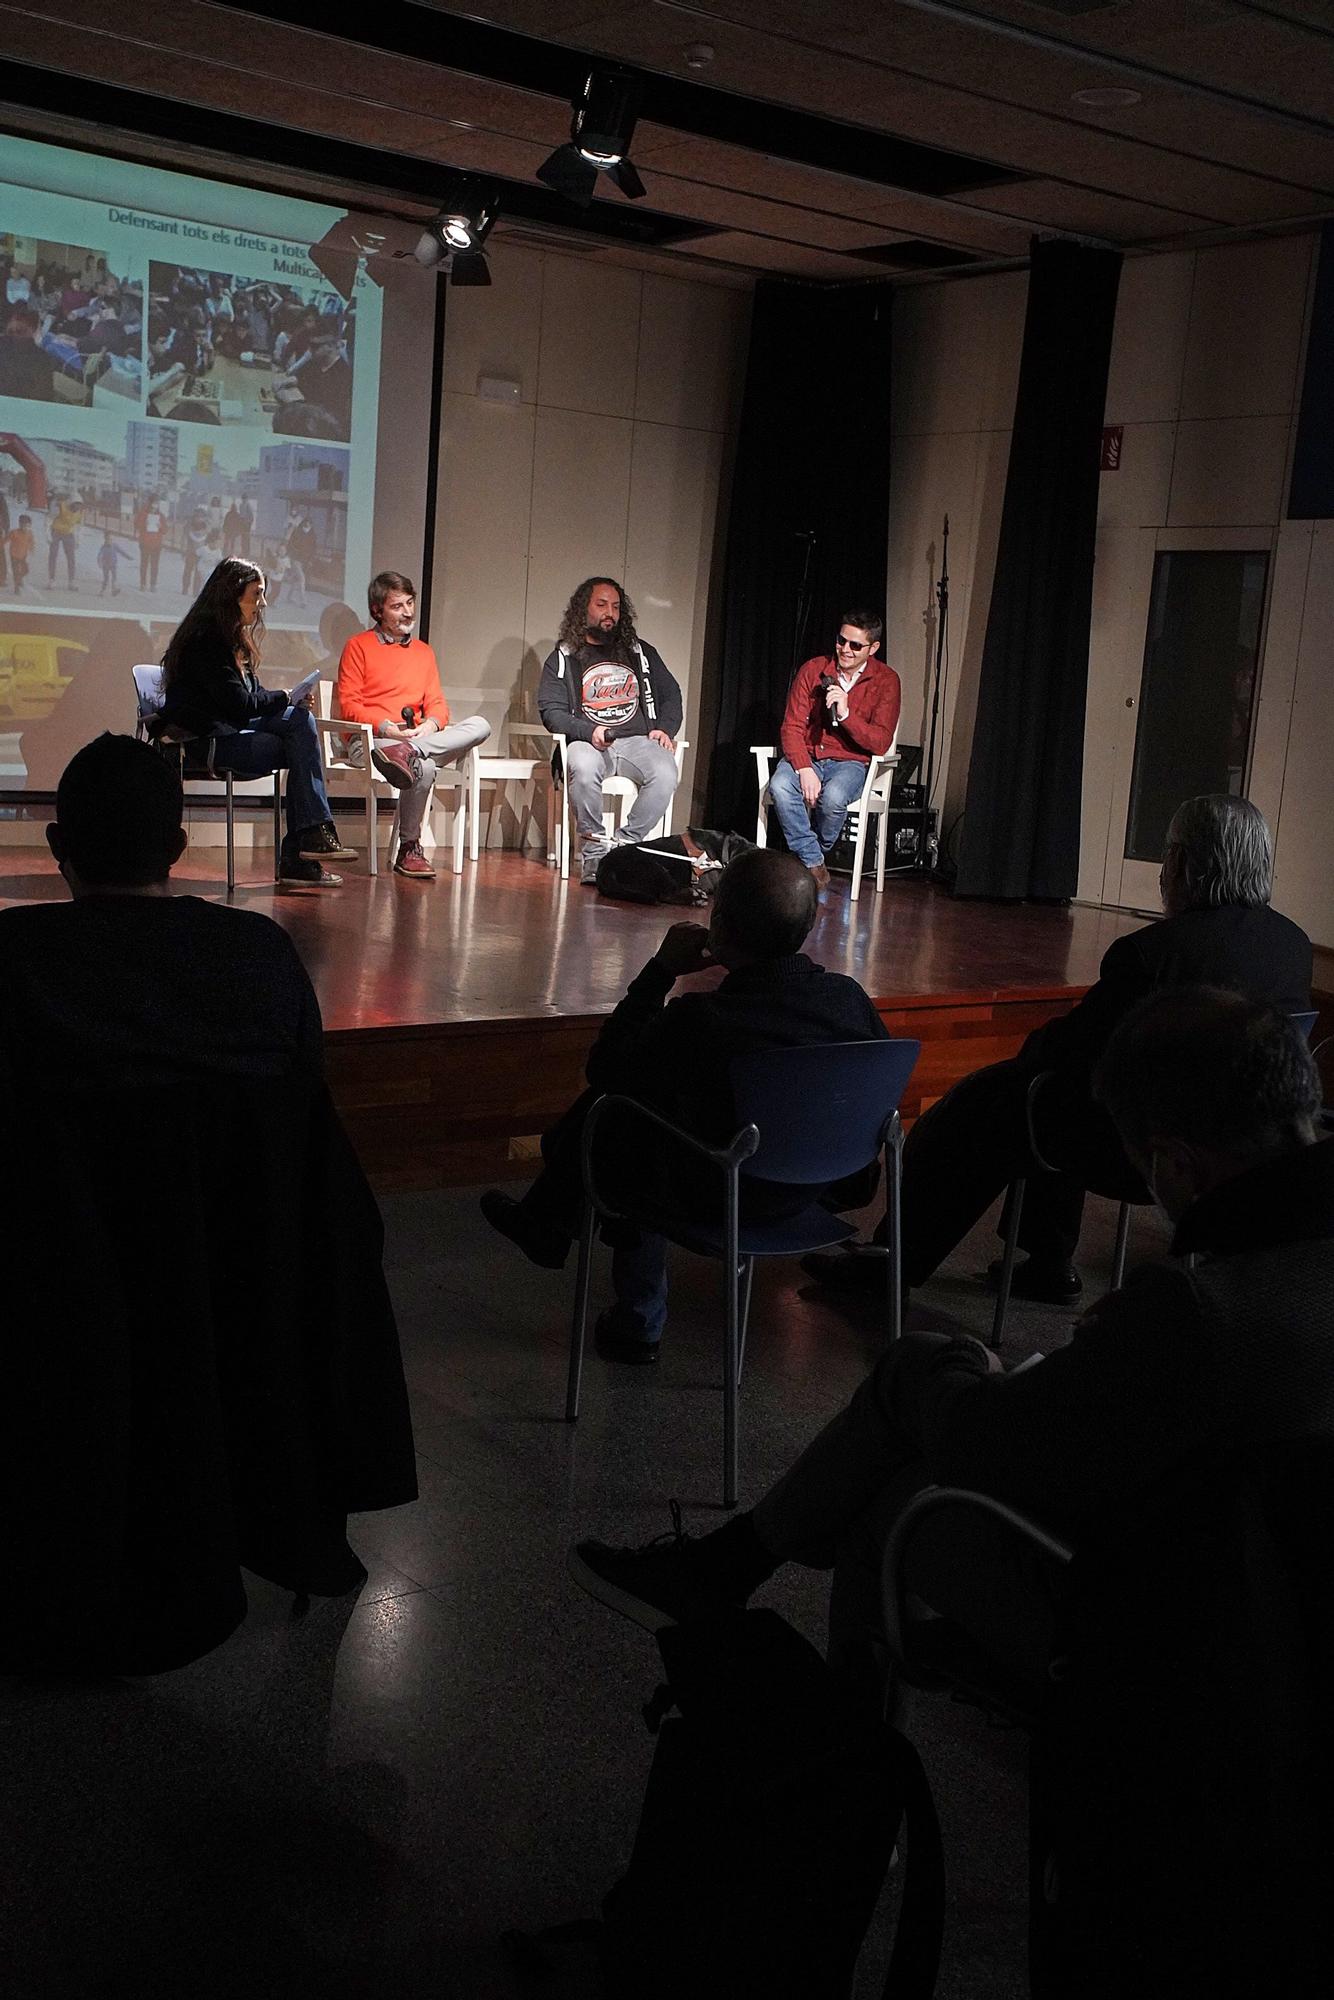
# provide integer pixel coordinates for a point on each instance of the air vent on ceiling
(914, 253)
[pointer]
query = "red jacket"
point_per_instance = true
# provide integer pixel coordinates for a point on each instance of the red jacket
(807, 735)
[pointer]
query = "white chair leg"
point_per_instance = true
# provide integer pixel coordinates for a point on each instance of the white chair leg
(881, 844)
(474, 803)
(762, 820)
(372, 842)
(391, 853)
(859, 856)
(460, 824)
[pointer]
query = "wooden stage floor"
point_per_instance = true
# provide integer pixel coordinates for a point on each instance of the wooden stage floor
(458, 1013)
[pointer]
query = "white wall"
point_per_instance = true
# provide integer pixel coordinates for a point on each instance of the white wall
(1205, 378)
(609, 463)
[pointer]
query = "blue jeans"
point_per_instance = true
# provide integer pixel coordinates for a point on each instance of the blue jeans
(841, 781)
(289, 741)
(638, 1281)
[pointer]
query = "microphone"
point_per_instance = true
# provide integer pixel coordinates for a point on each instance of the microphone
(408, 713)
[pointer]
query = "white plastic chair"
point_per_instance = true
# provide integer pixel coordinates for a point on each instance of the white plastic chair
(622, 791)
(873, 802)
(148, 696)
(343, 778)
(504, 770)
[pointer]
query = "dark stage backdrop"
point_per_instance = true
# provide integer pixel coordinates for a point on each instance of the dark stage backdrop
(1021, 824)
(808, 527)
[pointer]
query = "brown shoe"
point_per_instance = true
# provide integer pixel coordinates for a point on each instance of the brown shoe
(411, 861)
(820, 872)
(397, 762)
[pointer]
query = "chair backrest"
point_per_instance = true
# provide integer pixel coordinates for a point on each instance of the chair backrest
(148, 692)
(822, 1111)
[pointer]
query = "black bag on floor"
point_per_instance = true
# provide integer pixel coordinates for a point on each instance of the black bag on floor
(678, 868)
(772, 1810)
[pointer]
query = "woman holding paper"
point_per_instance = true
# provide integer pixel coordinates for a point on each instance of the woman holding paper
(212, 698)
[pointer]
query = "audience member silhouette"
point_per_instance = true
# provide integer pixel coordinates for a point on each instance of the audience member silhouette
(675, 1058)
(198, 1321)
(1217, 930)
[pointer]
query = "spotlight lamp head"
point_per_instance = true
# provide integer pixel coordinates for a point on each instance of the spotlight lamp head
(467, 215)
(601, 132)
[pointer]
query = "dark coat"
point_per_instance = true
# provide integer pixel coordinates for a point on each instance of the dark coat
(209, 696)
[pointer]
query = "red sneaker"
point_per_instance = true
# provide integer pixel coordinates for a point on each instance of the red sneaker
(411, 861)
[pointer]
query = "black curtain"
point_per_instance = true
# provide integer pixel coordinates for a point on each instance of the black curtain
(1021, 821)
(808, 527)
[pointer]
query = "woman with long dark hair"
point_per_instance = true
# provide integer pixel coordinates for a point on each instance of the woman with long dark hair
(211, 690)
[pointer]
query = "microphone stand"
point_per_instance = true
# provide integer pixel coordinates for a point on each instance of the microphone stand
(922, 863)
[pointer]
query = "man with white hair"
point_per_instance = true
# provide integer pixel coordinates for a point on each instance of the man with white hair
(1217, 929)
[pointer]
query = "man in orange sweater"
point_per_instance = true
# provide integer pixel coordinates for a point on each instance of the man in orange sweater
(840, 713)
(390, 680)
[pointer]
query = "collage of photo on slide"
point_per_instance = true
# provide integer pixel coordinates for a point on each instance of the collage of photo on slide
(235, 443)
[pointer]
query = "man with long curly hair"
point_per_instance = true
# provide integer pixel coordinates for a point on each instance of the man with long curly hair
(610, 695)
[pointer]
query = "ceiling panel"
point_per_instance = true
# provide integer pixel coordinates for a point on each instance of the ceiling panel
(1180, 165)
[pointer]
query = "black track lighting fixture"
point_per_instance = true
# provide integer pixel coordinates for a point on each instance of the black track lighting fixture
(601, 131)
(453, 239)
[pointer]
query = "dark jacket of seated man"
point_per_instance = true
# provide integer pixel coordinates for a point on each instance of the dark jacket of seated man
(675, 1056)
(1219, 930)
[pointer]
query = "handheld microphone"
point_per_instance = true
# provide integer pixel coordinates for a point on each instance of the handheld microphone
(408, 713)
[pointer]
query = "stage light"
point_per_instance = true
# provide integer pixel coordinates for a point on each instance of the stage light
(601, 130)
(466, 217)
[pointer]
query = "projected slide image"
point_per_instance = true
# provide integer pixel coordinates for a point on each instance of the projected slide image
(141, 532)
(227, 350)
(73, 327)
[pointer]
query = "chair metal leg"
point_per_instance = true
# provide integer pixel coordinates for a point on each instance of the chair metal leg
(732, 1344)
(277, 825)
(1016, 1206)
(1122, 1244)
(230, 810)
(747, 1277)
(894, 1225)
(583, 1282)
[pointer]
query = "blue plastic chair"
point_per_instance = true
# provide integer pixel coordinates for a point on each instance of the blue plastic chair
(1129, 1194)
(809, 1117)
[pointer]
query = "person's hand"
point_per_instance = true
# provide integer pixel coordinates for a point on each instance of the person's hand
(398, 730)
(684, 950)
(809, 780)
(601, 740)
(424, 728)
(836, 701)
(311, 699)
(661, 736)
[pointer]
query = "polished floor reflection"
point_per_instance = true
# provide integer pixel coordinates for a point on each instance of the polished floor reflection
(508, 939)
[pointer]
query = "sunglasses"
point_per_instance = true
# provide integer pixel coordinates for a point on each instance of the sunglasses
(854, 645)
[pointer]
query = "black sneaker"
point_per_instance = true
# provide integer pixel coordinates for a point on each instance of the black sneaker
(321, 843)
(1044, 1284)
(857, 1267)
(657, 1585)
(294, 867)
(540, 1244)
(617, 1340)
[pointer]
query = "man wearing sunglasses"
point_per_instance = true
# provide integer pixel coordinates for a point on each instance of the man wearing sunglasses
(840, 713)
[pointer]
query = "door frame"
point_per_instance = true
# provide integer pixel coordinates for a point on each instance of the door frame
(1133, 885)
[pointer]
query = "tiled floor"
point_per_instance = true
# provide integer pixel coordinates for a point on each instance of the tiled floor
(357, 1804)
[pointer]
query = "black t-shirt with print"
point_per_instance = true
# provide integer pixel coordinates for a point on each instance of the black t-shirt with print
(609, 692)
